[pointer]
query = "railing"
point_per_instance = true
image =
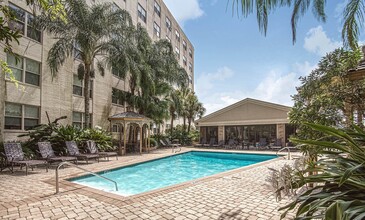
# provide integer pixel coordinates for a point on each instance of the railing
(83, 169)
(285, 148)
(175, 146)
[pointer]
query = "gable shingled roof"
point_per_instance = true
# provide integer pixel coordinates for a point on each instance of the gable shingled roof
(242, 102)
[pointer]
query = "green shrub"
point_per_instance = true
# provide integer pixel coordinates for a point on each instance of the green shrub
(102, 138)
(338, 177)
(153, 142)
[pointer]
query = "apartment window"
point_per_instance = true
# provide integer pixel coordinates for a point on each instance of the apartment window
(78, 86)
(116, 97)
(115, 7)
(24, 23)
(21, 117)
(157, 9)
(168, 23)
(78, 119)
(177, 52)
(24, 69)
(190, 53)
(142, 14)
(115, 128)
(156, 29)
(190, 67)
(168, 39)
(77, 51)
(190, 80)
(184, 61)
(177, 35)
(184, 45)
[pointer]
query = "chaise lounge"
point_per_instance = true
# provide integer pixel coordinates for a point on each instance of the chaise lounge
(15, 156)
(47, 153)
(92, 148)
(73, 150)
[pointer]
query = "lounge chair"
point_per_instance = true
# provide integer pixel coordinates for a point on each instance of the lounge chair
(262, 145)
(73, 150)
(213, 143)
(277, 145)
(169, 143)
(231, 144)
(91, 146)
(47, 153)
(15, 156)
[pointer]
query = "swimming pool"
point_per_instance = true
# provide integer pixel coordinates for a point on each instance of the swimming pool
(159, 173)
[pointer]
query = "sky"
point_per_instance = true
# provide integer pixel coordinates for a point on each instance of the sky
(234, 61)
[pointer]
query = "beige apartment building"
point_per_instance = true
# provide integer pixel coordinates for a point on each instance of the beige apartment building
(38, 93)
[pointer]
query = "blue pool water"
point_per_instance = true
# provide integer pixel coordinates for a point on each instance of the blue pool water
(168, 171)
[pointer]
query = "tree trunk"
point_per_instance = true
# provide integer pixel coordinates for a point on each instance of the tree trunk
(87, 94)
(172, 123)
(184, 125)
(189, 124)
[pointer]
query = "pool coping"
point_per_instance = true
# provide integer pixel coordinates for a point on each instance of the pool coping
(116, 199)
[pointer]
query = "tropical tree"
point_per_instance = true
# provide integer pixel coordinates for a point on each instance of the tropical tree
(87, 35)
(325, 96)
(194, 109)
(353, 14)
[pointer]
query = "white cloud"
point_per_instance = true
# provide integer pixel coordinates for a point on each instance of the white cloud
(304, 69)
(318, 42)
(207, 81)
(184, 10)
(277, 87)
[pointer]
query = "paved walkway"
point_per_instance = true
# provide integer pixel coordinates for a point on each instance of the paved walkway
(238, 194)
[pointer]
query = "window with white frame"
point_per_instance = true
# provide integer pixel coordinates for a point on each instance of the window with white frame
(184, 61)
(168, 39)
(78, 119)
(156, 29)
(115, 128)
(157, 9)
(184, 45)
(78, 86)
(168, 23)
(77, 51)
(190, 53)
(190, 67)
(24, 69)
(24, 23)
(177, 35)
(177, 52)
(142, 13)
(21, 117)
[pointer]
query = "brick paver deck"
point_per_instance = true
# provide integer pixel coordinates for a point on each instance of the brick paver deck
(238, 194)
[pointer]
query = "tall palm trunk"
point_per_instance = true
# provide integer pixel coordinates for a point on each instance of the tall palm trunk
(184, 120)
(87, 94)
(189, 124)
(172, 124)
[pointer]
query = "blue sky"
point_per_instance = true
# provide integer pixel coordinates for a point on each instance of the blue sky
(234, 61)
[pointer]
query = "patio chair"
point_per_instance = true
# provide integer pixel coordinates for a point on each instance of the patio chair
(262, 145)
(73, 150)
(47, 153)
(91, 146)
(172, 144)
(15, 156)
(277, 145)
(213, 143)
(231, 144)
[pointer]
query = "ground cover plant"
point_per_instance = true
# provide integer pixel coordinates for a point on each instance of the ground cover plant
(335, 184)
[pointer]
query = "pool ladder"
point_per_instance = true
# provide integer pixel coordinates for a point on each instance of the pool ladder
(285, 148)
(83, 169)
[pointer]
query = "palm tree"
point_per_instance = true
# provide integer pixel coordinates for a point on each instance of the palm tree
(184, 94)
(88, 31)
(174, 106)
(194, 109)
(353, 14)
